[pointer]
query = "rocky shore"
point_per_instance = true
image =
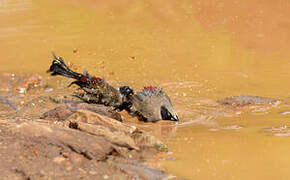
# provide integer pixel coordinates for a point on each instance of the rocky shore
(44, 137)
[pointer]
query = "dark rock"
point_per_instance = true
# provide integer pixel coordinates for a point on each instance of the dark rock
(59, 113)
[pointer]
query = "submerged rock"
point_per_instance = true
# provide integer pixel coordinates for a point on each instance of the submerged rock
(245, 100)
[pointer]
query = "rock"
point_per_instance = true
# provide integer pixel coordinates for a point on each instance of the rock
(115, 137)
(72, 141)
(97, 108)
(97, 119)
(89, 146)
(21, 83)
(145, 140)
(113, 131)
(245, 100)
(63, 111)
(59, 113)
(6, 104)
(40, 149)
(139, 170)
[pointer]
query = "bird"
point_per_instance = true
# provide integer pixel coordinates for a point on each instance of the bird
(96, 89)
(151, 104)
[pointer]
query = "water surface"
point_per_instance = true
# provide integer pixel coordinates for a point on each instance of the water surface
(196, 51)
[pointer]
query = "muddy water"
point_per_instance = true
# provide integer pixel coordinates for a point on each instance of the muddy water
(196, 51)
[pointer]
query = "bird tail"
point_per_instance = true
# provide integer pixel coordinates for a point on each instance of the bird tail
(58, 67)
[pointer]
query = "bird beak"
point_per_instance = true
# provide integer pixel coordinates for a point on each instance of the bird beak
(174, 118)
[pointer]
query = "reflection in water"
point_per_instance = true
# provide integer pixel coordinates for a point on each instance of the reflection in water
(197, 51)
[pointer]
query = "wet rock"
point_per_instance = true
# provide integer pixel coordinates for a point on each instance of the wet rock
(21, 83)
(59, 113)
(114, 131)
(90, 147)
(97, 119)
(6, 104)
(97, 124)
(118, 138)
(33, 150)
(96, 108)
(245, 100)
(63, 111)
(145, 140)
(139, 170)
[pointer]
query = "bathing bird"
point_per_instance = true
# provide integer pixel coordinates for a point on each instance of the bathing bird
(150, 105)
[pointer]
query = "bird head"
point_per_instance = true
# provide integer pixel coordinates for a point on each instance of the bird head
(167, 110)
(168, 114)
(154, 105)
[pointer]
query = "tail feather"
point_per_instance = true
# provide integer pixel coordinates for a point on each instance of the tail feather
(58, 67)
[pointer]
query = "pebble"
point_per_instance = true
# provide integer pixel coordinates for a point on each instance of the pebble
(106, 176)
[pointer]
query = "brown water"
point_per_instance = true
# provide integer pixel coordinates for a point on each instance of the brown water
(196, 51)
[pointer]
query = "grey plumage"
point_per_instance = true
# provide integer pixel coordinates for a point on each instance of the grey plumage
(152, 104)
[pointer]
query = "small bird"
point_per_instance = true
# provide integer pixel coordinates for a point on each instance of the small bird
(151, 104)
(96, 89)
